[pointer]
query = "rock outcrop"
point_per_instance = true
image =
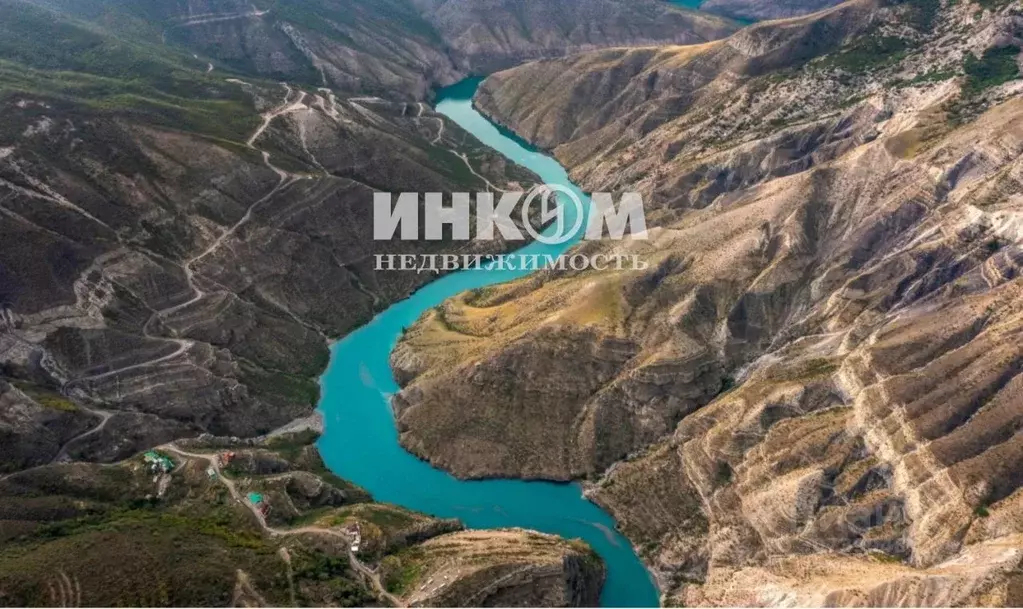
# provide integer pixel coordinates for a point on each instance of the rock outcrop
(499, 568)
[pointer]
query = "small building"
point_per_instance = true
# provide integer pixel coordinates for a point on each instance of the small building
(355, 534)
(211, 473)
(158, 462)
(259, 502)
(225, 458)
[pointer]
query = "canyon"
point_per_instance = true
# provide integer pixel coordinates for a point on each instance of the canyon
(812, 396)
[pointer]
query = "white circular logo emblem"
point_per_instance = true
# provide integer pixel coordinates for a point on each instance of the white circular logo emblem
(550, 211)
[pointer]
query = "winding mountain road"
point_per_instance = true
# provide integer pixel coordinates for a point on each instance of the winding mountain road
(104, 418)
(284, 179)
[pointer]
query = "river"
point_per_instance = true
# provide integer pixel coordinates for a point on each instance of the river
(360, 442)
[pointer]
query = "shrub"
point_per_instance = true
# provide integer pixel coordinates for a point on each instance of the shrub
(995, 66)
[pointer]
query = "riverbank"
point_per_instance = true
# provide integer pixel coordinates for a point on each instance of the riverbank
(361, 442)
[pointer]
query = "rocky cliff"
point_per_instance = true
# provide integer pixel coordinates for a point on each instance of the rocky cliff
(815, 385)
(498, 568)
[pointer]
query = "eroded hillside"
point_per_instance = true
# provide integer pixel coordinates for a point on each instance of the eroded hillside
(173, 281)
(815, 386)
(182, 236)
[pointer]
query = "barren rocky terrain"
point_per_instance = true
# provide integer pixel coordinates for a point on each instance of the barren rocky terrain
(812, 396)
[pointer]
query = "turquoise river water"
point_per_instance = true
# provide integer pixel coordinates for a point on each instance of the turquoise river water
(360, 442)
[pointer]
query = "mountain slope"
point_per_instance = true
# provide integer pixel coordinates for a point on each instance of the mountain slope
(815, 386)
(389, 47)
(175, 264)
(487, 35)
(759, 10)
(254, 522)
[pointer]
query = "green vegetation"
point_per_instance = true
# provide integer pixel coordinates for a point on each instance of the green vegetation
(922, 13)
(388, 518)
(395, 518)
(995, 67)
(159, 558)
(873, 52)
(184, 548)
(994, 245)
(926, 77)
(48, 56)
(816, 368)
(328, 581)
(589, 556)
(290, 446)
(884, 557)
(47, 398)
(217, 522)
(34, 37)
(727, 384)
(282, 388)
(399, 571)
(982, 511)
(165, 558)
(867, 54)
(724, 474)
